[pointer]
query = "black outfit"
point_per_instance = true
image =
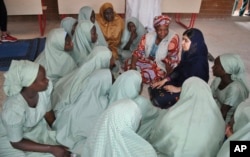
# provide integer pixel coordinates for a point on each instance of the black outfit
(193, 63)
(3, 16)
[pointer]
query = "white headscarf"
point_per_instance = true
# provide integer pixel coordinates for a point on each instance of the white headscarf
(20, 74)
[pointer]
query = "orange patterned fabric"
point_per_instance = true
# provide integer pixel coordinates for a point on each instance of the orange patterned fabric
(173, 51)
(149, 69)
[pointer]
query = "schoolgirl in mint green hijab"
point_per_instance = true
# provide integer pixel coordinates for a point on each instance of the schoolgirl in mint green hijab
(114, 134)
(240, 128)
(230, 85)
(56, 56)
(131, 37)
(128, 86)
(193, 127)
(26, 115)
(84, 41)
(69, 24)
(87, 13)
(74, 122)
(68, 88)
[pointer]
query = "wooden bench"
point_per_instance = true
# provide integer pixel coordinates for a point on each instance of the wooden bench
(73, 6)
(28, 7)
(182, 6)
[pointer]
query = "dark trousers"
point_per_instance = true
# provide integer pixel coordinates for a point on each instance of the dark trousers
(3, 16)
(243, 7)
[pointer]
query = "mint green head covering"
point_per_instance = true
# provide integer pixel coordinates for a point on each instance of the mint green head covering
(185, 129)
(82, 41)
(74, 82)
(20, 74)
(233, 64)
(127, 85)
(241, 116)
(58, 61)
(241, 128)
(85, 13)
(67, 23)
(117, 127)
(140, 30)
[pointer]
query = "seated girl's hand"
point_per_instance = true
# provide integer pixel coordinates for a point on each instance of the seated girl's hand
(172, 89)
(159, 84)
(60, 151)
(229, 131)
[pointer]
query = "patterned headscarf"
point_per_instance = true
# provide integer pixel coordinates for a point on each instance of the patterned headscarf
(21, 74)
(162, 20)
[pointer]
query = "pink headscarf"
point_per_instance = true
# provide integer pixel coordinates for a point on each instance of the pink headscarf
(162, 20)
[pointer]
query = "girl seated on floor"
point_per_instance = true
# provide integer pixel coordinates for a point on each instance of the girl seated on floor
(194, 62)
(229, 87)
(238, 129)
(55, 57)
(27, 114)
(193, 127)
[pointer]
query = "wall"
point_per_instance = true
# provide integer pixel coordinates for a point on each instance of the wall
(209, 9)
(216, 8)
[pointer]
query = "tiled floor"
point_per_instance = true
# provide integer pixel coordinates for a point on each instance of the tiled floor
(231, 35)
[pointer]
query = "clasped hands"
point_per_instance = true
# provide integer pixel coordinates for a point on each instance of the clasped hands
(168, 88)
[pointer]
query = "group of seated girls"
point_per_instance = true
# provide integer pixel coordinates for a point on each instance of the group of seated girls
(68, 103)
